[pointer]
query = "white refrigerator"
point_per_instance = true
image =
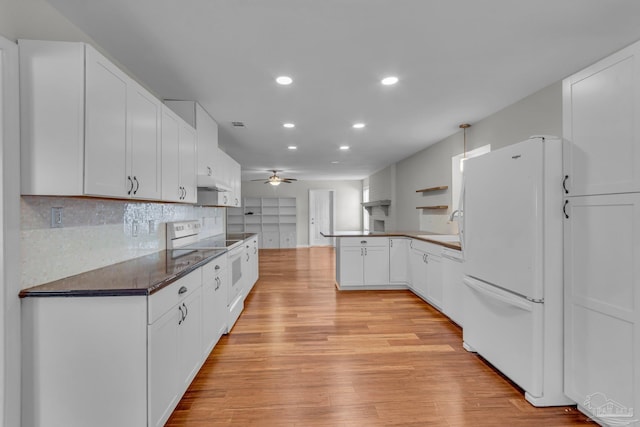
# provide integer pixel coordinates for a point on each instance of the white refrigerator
(513, 265)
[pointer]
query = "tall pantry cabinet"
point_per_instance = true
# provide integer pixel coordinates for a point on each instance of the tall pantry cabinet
(601, 126)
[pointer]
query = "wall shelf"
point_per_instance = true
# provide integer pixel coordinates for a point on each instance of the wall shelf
(433, 207)
(424, 190)
(384, 204)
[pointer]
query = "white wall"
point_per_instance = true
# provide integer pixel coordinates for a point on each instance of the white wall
(347, 208)
(539, 113)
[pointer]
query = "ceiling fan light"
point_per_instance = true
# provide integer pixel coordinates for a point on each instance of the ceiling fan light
(274, 182)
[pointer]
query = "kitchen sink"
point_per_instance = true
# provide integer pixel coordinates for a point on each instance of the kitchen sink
(445, 238)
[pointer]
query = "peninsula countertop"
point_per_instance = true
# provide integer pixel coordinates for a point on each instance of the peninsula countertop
(419, 235)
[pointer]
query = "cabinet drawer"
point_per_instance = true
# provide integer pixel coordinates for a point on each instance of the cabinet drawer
(169, 296)
(215, 268)
(364, 241)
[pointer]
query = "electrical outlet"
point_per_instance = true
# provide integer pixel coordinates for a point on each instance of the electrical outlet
(56, 217)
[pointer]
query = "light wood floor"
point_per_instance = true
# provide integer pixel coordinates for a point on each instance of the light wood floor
(305, 354)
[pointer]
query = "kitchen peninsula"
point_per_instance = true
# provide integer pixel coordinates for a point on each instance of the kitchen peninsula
(428, 264)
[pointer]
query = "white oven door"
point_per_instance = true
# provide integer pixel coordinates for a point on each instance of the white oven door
(235, 262)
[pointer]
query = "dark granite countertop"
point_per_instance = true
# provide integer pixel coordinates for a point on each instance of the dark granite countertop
(139, 276)
(419, 235)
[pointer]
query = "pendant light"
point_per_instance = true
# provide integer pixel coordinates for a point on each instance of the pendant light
(464, 127)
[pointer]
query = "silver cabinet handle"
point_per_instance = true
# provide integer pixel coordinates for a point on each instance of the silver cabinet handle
(182, 290)
(186, 310)
(391, 243)
(181, 315)
(137, 185)
(255, 250)
(364, 242)
(365, 251)
(217, 267)
(130, 188)
(209, 171)
(247, 257)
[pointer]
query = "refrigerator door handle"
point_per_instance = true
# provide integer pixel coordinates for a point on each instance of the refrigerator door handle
(498, 295)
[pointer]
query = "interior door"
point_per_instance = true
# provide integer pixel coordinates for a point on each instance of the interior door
(320, 217)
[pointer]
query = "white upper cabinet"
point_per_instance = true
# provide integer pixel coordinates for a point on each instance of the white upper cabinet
(144, 163)
(105, 136)
(206, 130)
(178, 159)
(88, 124)
(601, 126)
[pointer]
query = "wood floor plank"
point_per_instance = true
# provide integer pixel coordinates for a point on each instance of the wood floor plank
(305, 354)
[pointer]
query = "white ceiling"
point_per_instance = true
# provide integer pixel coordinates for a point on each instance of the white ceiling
(458, 61)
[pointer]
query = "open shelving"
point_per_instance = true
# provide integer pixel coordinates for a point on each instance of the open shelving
(273, 218)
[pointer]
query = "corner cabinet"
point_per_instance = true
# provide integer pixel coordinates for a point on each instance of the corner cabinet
(363, 262)
(87, 123)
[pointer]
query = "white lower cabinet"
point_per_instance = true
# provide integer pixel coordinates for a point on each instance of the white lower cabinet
(119, 360)
(398, 260)
(214, 302)
(175, 344)
(453, 289)
(601, 305)
(426, 271)
(363, 262)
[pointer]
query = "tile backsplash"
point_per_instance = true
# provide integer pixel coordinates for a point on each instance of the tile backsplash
(97, 232)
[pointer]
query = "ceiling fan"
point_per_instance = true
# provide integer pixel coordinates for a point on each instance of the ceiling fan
(275, 179)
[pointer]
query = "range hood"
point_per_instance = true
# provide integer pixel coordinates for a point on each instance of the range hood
(211, 183)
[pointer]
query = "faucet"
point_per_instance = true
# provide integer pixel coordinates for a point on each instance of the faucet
(456, 213)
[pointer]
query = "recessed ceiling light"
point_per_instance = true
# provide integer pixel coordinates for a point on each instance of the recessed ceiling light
(292, 147)
(358, 125)
(289, 125)
(391, 80)
(284, 80)
(344, 147)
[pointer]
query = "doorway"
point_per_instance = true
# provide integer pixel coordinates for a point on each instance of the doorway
(321, 217)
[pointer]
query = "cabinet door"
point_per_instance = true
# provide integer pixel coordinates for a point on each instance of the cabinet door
(418, 277)
(270, 240)
(351, 266)
(207, 131)
(144, 147)
(453, 289)
(221, 311)
(105, 127)
(376, 265)
(287, 239)
(434, 280)
(163, 367)
(602, 278)
(601, 125)
(188, 163)
(210, 325)
(170, 136)
(190, 342)
(398, 260)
